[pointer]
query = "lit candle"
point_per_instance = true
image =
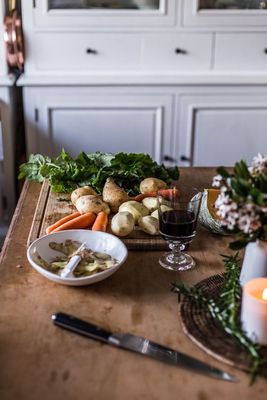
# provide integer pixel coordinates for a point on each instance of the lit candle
(264, 294)
(254, 310)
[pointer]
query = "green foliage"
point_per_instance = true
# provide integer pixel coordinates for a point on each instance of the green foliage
(247, 188)
(225, 309)
(65, 173)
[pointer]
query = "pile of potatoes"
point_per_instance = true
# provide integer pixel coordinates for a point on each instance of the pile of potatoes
(127, 212)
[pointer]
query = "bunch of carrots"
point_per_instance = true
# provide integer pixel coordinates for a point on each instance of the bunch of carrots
(76, 220)
(97, 222)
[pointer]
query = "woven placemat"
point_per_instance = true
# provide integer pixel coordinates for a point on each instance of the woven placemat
(207, 333)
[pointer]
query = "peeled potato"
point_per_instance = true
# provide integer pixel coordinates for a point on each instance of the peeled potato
(149, 225)
(137, 209)
(151, 203)
(152, 185)
(122, 224)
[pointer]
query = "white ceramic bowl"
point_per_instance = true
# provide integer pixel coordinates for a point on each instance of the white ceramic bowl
(96, 241)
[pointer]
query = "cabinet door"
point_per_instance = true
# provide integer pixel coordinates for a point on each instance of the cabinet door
(86, 14)
(221, 129)
(249, 14)
(90, 120)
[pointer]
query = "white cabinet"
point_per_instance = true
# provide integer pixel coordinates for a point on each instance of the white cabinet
(89, 120)
(218, 128)
(186, 79)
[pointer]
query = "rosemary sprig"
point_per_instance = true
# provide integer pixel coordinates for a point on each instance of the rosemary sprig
(225, 309)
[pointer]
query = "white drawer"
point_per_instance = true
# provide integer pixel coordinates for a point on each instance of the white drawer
(241, 51)
(83, 51)
(177, 51)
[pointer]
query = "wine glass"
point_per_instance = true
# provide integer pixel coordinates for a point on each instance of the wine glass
(178, 213)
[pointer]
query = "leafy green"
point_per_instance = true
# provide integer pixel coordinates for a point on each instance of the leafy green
(225, 309)
(65, 173)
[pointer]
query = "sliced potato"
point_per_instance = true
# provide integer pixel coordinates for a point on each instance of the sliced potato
(90, 203)
(149, 225)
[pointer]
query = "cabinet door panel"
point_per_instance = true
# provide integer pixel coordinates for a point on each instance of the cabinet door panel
(225, 136)
(103, 129)
(46, 18)
(202, 16)
(87, 119)
(220, 129)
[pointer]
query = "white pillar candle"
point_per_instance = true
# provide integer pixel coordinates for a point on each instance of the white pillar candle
(254, 310)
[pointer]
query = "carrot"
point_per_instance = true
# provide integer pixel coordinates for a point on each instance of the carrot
(142, 196)
(81, 222)
(61, 221)
(169, 193)
(101, 222)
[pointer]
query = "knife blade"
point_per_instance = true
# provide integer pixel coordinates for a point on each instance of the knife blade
(139, 345)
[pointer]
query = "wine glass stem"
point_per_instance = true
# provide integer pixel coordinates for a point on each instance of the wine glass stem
(176, 247)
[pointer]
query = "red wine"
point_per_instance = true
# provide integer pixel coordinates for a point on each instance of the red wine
(177, 223)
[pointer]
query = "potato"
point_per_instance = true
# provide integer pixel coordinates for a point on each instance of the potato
(152, 185)
(82, 191)
(149, 225)
(151, 203)
(91, 203)
(155, 213)
(137, 209)
(113, 195)
(122, 224)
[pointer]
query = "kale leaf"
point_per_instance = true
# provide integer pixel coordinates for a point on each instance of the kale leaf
(65, 173)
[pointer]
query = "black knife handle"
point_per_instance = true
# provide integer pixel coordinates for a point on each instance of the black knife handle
(81, 327)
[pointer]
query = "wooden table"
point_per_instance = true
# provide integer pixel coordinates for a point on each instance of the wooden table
(41, 361)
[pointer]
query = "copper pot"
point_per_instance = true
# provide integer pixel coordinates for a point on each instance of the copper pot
(14, 40)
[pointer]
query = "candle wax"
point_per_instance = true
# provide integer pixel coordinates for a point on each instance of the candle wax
(258, 294)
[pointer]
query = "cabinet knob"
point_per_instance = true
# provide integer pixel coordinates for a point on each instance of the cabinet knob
(185, 158)
(169, 158)
(91, 51)
(265, 50)
(180, 51)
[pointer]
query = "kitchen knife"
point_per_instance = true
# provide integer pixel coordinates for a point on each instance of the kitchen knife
(139, 345)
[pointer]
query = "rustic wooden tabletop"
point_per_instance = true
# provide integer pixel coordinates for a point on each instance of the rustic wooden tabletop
(41, 361)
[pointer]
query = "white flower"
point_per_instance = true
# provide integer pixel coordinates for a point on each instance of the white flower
(258, 165)
(217, 181)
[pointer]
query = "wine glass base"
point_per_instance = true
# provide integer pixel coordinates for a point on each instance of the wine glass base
(185, 262)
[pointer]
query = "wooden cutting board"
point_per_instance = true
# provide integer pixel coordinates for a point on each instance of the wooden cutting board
(53, 206)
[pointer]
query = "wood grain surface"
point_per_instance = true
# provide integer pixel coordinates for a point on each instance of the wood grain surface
(41, 361)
